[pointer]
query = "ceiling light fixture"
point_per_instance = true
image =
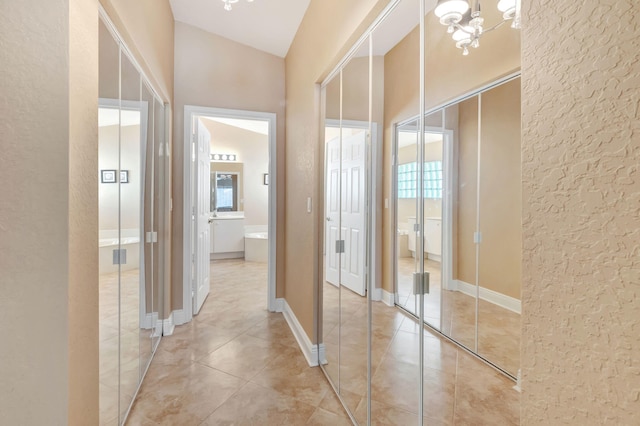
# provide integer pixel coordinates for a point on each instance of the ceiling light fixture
(465, 23)
(228, 3)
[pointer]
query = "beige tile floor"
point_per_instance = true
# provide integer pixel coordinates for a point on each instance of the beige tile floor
(237, 364)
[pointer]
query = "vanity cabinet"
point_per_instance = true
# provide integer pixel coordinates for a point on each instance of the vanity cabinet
(432, 237)
(227, 237)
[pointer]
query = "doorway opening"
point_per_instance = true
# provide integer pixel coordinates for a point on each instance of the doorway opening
(229, 205)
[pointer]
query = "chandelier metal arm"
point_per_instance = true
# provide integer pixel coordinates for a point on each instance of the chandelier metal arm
(498, 25)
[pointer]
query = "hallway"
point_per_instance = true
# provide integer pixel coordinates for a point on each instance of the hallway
(236, 363)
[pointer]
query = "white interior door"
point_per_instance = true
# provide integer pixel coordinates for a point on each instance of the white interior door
(353, 212)
(332, 209)
(202, 207)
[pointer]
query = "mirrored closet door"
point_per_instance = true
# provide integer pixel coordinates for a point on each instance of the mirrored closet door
(428, 274)
(132, 225)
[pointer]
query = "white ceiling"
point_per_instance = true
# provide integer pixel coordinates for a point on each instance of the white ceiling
(256, 126)
(267, 25)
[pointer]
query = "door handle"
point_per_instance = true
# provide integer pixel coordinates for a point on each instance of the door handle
(210, 220)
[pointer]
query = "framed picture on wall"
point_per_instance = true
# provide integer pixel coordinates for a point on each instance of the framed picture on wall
(108, 176)
(265, 179)
(124, 176)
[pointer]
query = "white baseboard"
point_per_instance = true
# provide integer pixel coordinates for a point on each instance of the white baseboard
(382, 295)
(149, 321)
(322, 356)
(179, 317)
(502, 300)
(168, 326)
(279, 305)
(388, 298)
(309, 350)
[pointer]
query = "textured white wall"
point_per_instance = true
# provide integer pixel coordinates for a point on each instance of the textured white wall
(581, 212)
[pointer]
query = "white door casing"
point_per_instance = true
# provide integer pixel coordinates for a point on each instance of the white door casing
(202, 209)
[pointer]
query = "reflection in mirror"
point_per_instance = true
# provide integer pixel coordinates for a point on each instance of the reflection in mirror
(160, 219)
(132, 205)
(396, 360)
(500, 227)
(149, 260)
(352, 195)
(330, 289)
(132, 142)
(108, 205)
(459, 299)
(226, 186)
(226, 192)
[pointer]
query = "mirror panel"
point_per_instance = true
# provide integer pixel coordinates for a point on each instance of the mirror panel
(330, 289)
(396, 361)
(159, 219)
(132, 145)
(500, 225)
(109, 223)
(432, 214)
(227, 186)
(354, 131)
(459, 301)
(149, 259)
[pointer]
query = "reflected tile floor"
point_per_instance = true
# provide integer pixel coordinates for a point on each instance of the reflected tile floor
(120, 315)
(458, 389)
(498, 328)
(235, 364)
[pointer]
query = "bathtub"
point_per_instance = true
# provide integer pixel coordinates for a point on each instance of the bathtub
(129, 240)
(256, 245)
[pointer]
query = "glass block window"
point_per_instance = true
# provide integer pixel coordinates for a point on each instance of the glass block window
(433, 179)
(407, 180)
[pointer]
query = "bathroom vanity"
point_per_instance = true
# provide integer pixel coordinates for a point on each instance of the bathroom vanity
(432, 237)
(227, 236)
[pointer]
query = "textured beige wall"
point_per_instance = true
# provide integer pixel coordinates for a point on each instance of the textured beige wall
(48, 217)
(581, 215)
(212, 71)
(325, 34)
(83, 213)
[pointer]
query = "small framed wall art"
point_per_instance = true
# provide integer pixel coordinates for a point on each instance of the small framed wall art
(108, 176)
(124, 176)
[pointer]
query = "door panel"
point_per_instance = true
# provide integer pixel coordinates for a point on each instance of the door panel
(353, 214)
(203, 214)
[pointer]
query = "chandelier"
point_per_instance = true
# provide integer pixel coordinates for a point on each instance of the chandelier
(465, 23)
(228, 3)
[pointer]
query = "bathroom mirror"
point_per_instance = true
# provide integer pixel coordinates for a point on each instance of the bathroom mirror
(227, 191)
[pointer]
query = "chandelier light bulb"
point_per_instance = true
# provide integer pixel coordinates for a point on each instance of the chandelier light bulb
(464, 34)
(508, 8)
(451, 11)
